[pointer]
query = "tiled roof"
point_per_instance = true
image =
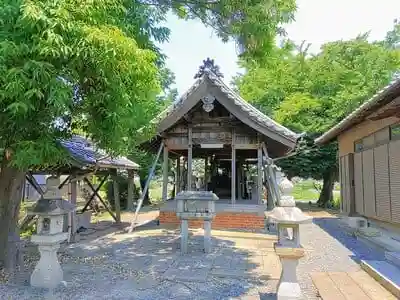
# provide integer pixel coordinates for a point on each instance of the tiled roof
(85, 152)
(381, 98)
(253, 112)
(246, 107)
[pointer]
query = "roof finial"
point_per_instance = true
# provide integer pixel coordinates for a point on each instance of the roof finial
(207, 67)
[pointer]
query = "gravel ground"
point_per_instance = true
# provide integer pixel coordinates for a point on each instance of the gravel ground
(132, 267)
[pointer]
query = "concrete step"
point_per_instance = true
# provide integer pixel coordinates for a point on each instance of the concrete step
(383, 242)
(393, 257)
(385, 273)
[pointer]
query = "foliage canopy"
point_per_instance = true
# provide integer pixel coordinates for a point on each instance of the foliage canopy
(313, 92)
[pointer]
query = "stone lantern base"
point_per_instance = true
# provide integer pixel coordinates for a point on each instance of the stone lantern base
(48, 273)
(288, 286)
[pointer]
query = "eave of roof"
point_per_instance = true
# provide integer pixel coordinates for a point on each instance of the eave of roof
(253, 112)
(377, 101)
(87, 155)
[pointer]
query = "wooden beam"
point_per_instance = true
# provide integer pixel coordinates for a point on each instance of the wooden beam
(64, 182)
(246, 146)
(271, 178)
(206, 173)
(72, 216)
(165, 174)
(117, 203)
(131, 190)
(178, 175)
(259, 174)
(96, 193)
(233, 171)
(146, 187)
(190, 159)
(94, 190)
(29, 177)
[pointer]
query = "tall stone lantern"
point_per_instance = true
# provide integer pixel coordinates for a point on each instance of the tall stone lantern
(288, 249)
(50, 210)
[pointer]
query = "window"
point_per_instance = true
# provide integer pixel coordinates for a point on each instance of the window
(395, 132)
(358, 146)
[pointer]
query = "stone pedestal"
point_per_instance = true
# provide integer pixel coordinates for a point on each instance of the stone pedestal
(288, 286)
(184, 235)
(47, 273)
(195, 205)
(207, 236)
(288, 248)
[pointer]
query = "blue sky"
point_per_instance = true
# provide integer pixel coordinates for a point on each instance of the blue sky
(317, 22)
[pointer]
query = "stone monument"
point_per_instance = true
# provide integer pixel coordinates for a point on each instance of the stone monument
(195, 205)
(51, 210)
(288, 249)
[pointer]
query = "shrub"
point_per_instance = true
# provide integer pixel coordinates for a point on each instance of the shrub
(123, 192)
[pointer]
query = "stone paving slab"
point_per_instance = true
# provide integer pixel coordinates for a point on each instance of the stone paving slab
(147, 265)
(349, 285)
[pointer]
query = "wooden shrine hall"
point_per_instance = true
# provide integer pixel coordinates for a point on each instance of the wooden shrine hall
(230, 140)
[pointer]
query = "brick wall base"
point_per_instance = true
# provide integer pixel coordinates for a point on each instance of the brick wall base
(223, 220)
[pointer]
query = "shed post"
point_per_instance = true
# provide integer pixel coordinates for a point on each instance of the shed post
(178, 176)
(72, 216)
(259, 171)
(190, 159)
(233, 172)
(131, 189)
(165, 173)
(116, 196)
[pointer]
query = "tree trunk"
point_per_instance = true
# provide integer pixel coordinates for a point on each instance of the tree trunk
(11, 189)
(326, 195)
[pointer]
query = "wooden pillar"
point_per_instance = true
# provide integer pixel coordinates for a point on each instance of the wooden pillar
(131, 190)
(178, 175)
(165, 174)
(190, 159)
(72, 217)
(233, 171)
(117, 204)
(259, 173)
(205, 173)
(240, 180)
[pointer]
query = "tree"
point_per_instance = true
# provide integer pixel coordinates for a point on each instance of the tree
(253, 24)
(311, 93)
(65, 64)
(93, 66)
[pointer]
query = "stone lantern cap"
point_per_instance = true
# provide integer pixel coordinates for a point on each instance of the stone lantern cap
(51, 202)
(289, 215)
(197, 195)
(52, 207)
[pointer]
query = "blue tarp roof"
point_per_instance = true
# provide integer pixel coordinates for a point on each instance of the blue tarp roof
(85, 152)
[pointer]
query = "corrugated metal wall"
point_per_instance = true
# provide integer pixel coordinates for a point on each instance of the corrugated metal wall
(394, 169)
(346, 183)
(382, 183)
(369, 183)
(358, 183)
(377, 181)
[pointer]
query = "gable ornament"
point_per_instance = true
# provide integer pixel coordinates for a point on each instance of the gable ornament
(208, 103)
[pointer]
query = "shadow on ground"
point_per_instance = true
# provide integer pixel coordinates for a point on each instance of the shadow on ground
(335, 228)
(148, 265)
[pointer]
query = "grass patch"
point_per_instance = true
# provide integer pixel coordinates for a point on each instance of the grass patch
(305, 191)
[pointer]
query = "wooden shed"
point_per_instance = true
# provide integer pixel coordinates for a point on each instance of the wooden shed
(231, 139)
(369, 157)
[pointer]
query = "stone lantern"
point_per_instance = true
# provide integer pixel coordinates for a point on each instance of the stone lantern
(288, 249)
(50, 210)
(195, 205)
